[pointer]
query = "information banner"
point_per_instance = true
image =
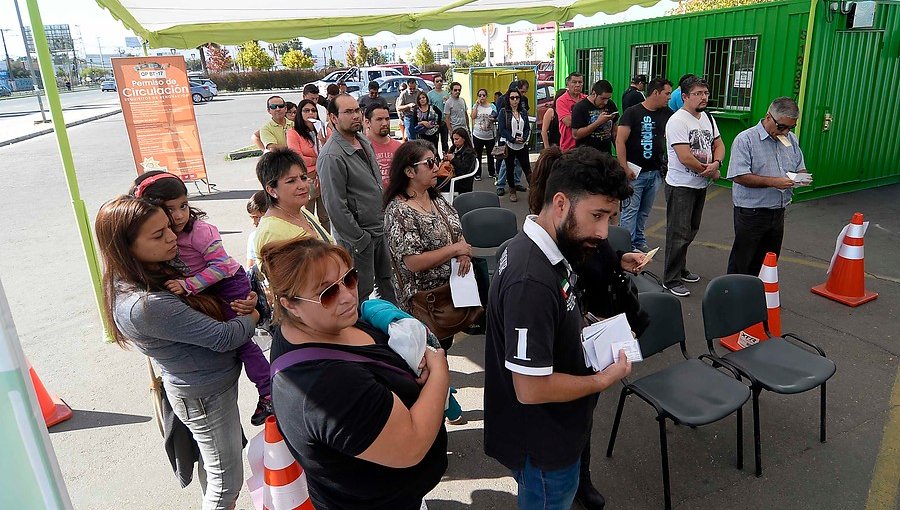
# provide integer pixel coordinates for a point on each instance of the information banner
(159, 114)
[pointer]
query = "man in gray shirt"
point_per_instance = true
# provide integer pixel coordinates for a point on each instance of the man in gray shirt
(760, 159)
(350, 179)
(455, 111)
(406, 107)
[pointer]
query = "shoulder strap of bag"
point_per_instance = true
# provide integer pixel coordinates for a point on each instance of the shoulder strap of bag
(296, 356)
(318, 228)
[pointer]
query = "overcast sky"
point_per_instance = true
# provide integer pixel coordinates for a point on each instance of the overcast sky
(97, 28)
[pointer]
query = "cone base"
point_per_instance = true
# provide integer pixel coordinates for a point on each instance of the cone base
(853, 301)
(61, 412)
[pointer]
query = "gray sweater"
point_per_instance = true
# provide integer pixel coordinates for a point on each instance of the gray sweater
(195, 352)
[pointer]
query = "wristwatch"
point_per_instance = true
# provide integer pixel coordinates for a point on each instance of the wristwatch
(719, 161)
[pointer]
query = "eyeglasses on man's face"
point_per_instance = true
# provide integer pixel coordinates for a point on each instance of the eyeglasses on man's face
(782, 127)
(700, 93)
(349, 111)
(276, 106)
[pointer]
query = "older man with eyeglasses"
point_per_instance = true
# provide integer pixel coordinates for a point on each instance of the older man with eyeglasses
(350, 179)
(274, 132)
(761, 159)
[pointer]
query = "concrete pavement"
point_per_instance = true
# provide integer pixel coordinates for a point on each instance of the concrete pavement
(112, 457)
(20, 118)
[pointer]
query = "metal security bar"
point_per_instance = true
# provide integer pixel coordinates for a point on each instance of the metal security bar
(729, 67)
(590, 64)
(651, 60)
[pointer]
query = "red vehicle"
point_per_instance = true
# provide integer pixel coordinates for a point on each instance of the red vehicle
(412, 70)
(545, 71)
(545, 93)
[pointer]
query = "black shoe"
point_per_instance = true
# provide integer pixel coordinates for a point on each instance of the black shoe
(477, 177)
(521, 188)
(588, 496)
(263, 410)
(501, 192)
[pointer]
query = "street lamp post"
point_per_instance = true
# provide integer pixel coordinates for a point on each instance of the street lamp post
(30, 65)
(393, 52)
(331, 53)
(8, 61)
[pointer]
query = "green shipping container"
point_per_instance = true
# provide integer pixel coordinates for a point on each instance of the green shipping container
(850, 110)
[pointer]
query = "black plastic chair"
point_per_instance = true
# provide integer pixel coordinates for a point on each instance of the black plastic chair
(474, 200)
(689, 392)
(488, 227)
(735, 302)
(620, 240)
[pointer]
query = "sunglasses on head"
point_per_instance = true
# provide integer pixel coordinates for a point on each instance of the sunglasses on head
(329, 296)
(431, 162)
(276, 106)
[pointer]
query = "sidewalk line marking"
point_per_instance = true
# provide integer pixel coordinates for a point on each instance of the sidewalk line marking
(884, 486)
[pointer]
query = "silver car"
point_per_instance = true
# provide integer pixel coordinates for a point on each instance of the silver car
(389, 89)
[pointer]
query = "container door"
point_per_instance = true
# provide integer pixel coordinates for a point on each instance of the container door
(845, 122)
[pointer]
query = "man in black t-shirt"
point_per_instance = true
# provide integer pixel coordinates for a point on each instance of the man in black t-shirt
(635, 93)
(641, 149)
(539, 392)
(594, 118)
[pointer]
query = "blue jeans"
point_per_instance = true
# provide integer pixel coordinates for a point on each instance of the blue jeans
(216, 426)
(408, 123)
(546, 490)
(501, 174)
(634, 217)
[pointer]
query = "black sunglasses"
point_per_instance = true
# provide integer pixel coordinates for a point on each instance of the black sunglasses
(782, 127)
(276, 106)
(431, 162)
(328, 297)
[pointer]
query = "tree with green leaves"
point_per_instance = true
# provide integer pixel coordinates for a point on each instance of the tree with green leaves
(529, 47)
(252, 56)
(94, 73)
(688, 6)
(424, 55)
(296, 59)
(377, 57)
(362, 52)
(218, 60)
(351, 55)
(461, 57)
(193, 64)
(293, 44)
(476, 54)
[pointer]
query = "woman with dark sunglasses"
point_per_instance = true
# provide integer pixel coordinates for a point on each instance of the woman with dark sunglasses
(514, 131)
(424, 231)
(368, 432)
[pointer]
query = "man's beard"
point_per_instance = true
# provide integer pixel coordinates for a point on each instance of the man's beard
(700, 109)
(385, 131)
(575, 249)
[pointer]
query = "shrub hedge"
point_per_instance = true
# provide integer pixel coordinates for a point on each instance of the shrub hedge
(264, 80)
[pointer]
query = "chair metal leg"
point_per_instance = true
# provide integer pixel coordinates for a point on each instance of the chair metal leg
(740, 438)
(756, 445)
(664, 452)
(822, 414)
(615, 429)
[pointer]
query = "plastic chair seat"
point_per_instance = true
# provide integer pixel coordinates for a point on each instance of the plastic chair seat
(782, 366)
(694, 393)
(645, 283)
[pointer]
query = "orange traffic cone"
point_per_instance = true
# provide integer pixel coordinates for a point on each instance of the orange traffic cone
(52, 407)
(285, 483)
(756, 333)
(846, 279)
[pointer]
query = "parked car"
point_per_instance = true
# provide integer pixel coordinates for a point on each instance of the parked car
(4, 91)
(389, 89)
(545, 71)
(200, 92)
(356, 78)
(209, 83)
(545, 92)
(108, 85)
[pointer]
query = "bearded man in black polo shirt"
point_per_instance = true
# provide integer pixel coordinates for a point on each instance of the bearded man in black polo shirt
(539, 391)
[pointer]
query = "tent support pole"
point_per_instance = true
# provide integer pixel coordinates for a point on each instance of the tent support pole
(65, 154)
(807, 54)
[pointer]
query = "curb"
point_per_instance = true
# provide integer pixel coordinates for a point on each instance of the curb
(36, 134)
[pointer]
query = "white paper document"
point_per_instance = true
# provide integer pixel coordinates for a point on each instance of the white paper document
(800, 178)
(632, 350)
(634, 168)
(600, 337)
(463, 289)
